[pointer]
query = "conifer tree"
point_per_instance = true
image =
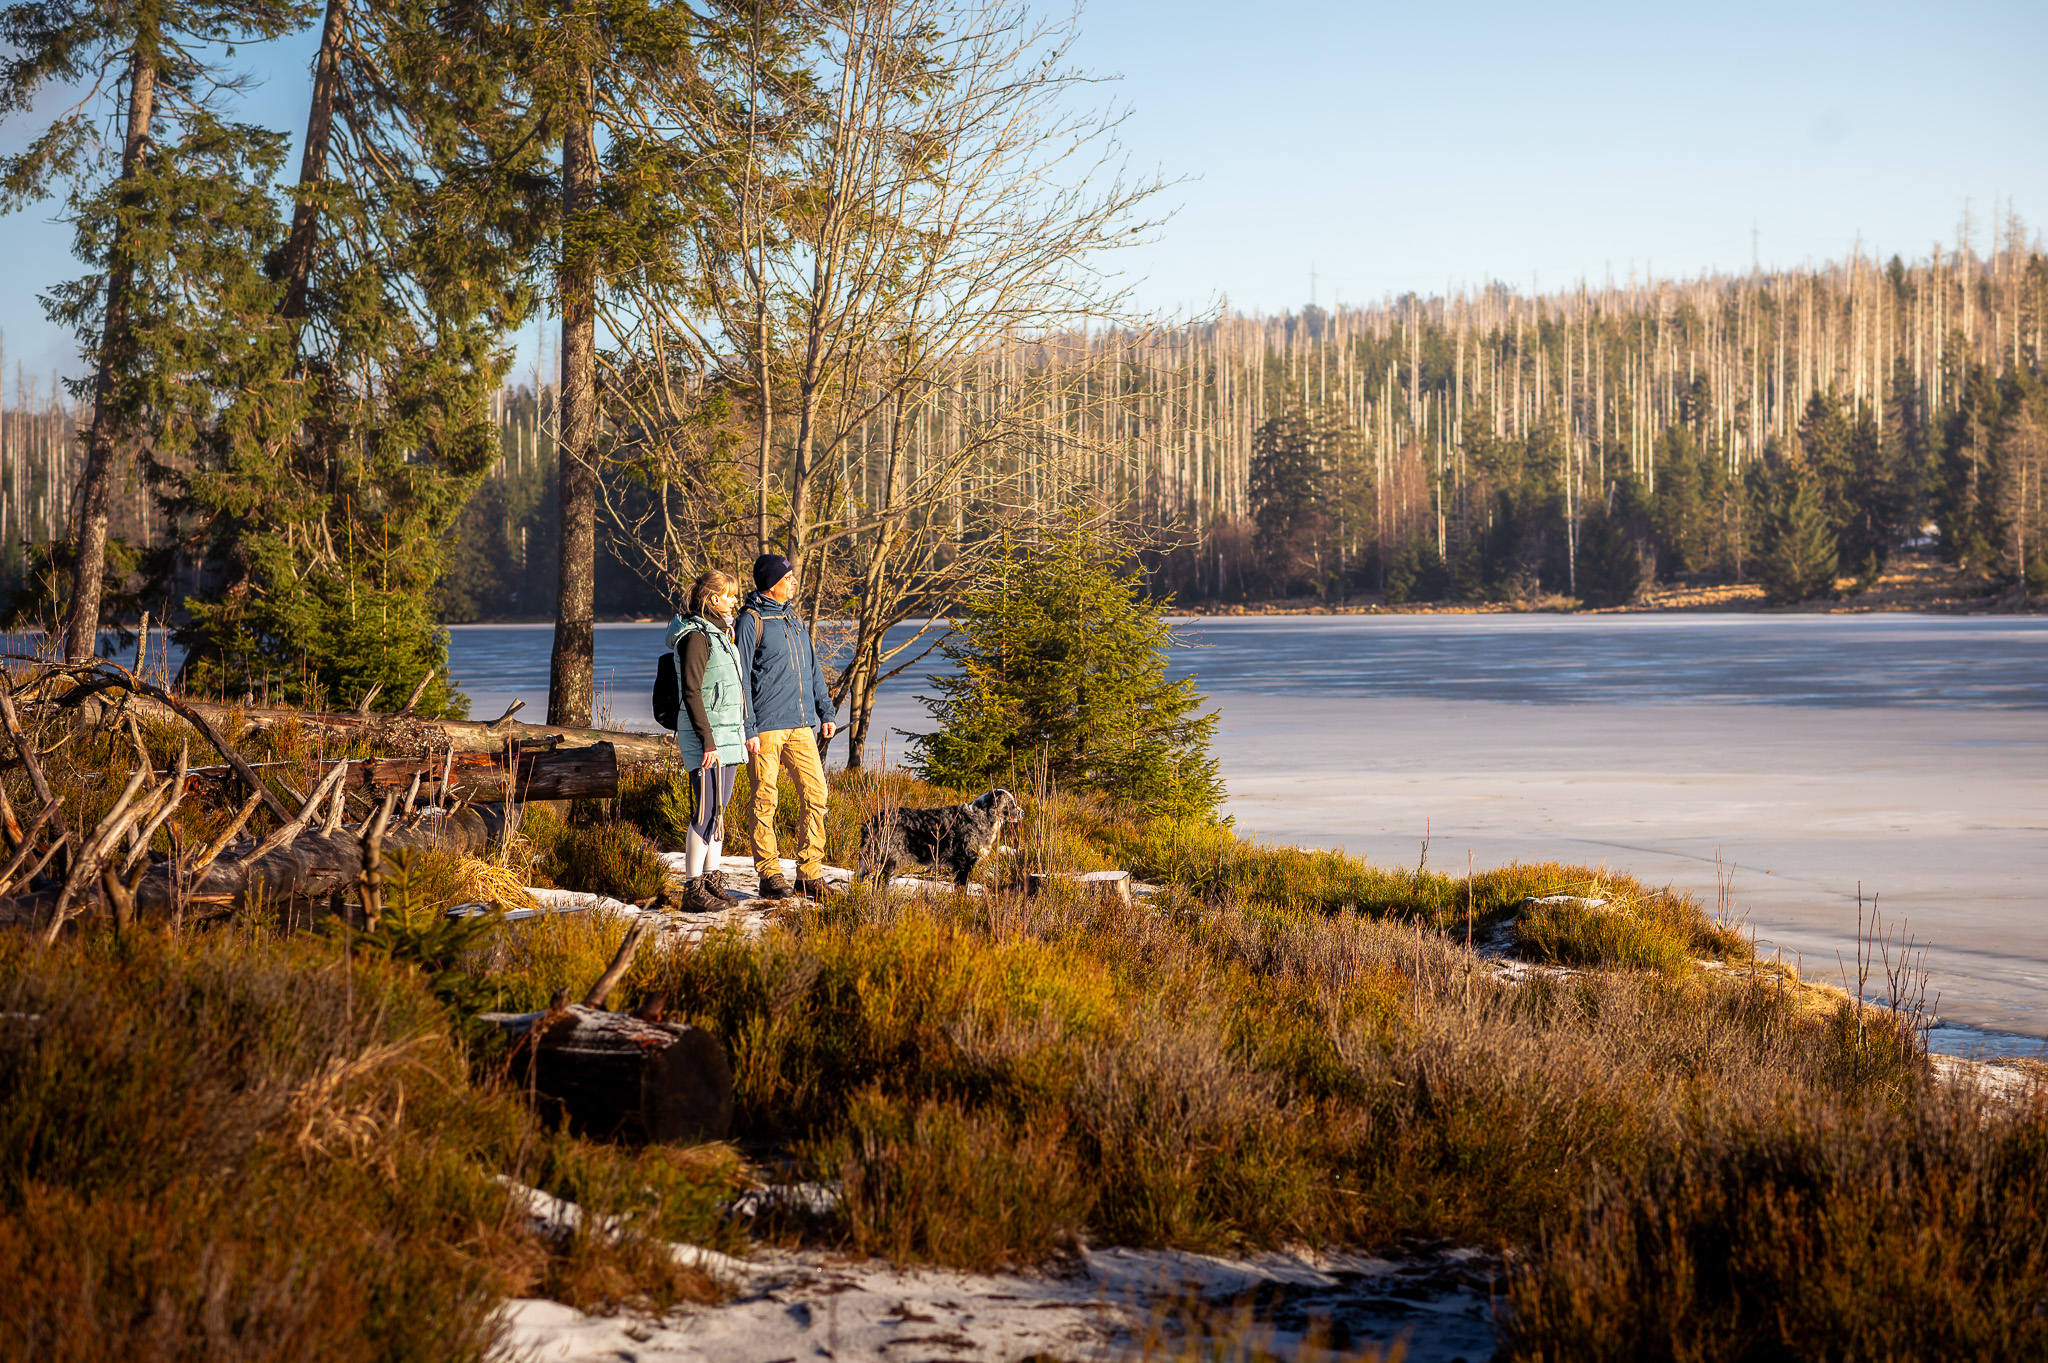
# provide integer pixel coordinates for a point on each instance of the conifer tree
(1796, 555)
(1061, 657)
(318, 515)
(171, 315)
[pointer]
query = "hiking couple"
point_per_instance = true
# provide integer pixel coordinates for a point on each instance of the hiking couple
(751, 690)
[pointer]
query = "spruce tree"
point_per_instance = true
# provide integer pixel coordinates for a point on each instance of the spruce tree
(1610, 564)
(318, 516)
(1796, 558)
(171, 314)
(1061, 657)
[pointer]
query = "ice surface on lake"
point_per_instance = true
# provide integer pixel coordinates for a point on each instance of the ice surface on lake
(1810, 752)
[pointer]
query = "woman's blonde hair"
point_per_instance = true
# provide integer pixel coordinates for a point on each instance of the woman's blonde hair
(711, 583)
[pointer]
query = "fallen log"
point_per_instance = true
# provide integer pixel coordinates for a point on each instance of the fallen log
(411, 734)
(612, 1076)
(1112, 884)
(544, 774)
(400, 732)
(315, 871)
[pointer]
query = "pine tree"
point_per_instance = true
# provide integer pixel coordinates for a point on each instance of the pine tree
(1796, 558)
(171, 315)
(1610, 564)
(317, 516)
(1061, 657)
(1301, 488)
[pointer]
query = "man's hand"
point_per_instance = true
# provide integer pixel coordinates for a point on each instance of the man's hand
(830, 729)
(710, 758)
(753, 747)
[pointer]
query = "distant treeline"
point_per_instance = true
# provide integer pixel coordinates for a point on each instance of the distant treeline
(1785, 427)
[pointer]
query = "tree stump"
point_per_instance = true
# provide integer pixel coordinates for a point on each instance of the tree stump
(612, 1076)
(1114, 884)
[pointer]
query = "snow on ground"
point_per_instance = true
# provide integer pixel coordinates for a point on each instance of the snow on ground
(750, 913)
(794, 1306)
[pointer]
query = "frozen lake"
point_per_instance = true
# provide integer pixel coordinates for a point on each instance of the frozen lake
(1809, 753)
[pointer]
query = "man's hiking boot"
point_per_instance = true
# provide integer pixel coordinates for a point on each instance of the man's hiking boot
(699, 897)
(774, 887)
(811, 889)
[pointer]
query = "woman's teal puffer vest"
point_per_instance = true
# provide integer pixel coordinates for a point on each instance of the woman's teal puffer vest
(724, 704)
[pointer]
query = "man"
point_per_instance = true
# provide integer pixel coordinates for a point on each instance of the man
(786, 701)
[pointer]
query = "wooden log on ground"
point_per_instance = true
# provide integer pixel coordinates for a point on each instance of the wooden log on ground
(412, 734)
(612, 1076)
(298, 878)
(544, 774)
(400, 733)
(1115, 884)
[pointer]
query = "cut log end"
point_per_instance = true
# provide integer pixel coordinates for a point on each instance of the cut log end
(612, 1076)
(1110, 884)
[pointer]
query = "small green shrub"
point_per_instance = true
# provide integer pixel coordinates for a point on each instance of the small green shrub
(609, 858)
(1575, 933)
(656, 800)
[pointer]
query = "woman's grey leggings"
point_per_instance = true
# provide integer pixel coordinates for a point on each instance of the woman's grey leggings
(710, 792)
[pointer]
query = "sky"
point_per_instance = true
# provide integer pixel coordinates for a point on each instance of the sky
(1366, 150)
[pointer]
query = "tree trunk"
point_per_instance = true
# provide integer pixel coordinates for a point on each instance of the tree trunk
(573, 666)
(305, 235)
(590, 773)
(612, 1076)
(81, 639)
(409, 734)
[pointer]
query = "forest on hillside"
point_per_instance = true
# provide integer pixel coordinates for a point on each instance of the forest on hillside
(1779, 427)
(843, 282)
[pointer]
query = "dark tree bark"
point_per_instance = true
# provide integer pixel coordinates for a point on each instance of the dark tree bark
(81, 637)
(573, 666)
(615, 1077)
(305, 236)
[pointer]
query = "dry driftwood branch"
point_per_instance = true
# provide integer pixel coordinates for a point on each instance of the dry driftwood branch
(107, 676)
(197, 871)
(297, 823)
(373, 863)
(304, 877)
(27, 752)
(417, 692)
(145, 832)
(86, 865)
(621, 962)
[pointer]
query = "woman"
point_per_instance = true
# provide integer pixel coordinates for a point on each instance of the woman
(712, 736)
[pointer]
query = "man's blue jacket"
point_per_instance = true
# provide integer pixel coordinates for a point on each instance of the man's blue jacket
(785, 687)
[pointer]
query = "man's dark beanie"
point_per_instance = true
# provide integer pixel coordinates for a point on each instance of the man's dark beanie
(770, 569)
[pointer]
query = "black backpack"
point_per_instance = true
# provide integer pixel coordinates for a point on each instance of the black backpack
(668, 691)
(668, 682)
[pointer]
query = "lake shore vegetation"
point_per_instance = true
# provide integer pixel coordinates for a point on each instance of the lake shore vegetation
(1664, 1139)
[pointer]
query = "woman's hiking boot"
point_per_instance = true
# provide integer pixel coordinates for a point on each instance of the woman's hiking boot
(699, 897)
(714, 881)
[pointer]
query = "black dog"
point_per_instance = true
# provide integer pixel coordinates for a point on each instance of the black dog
(954, 838)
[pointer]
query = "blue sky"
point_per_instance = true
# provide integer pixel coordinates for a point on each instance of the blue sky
(1431, 147)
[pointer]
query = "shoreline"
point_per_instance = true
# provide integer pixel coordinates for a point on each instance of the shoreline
(1913, 583)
